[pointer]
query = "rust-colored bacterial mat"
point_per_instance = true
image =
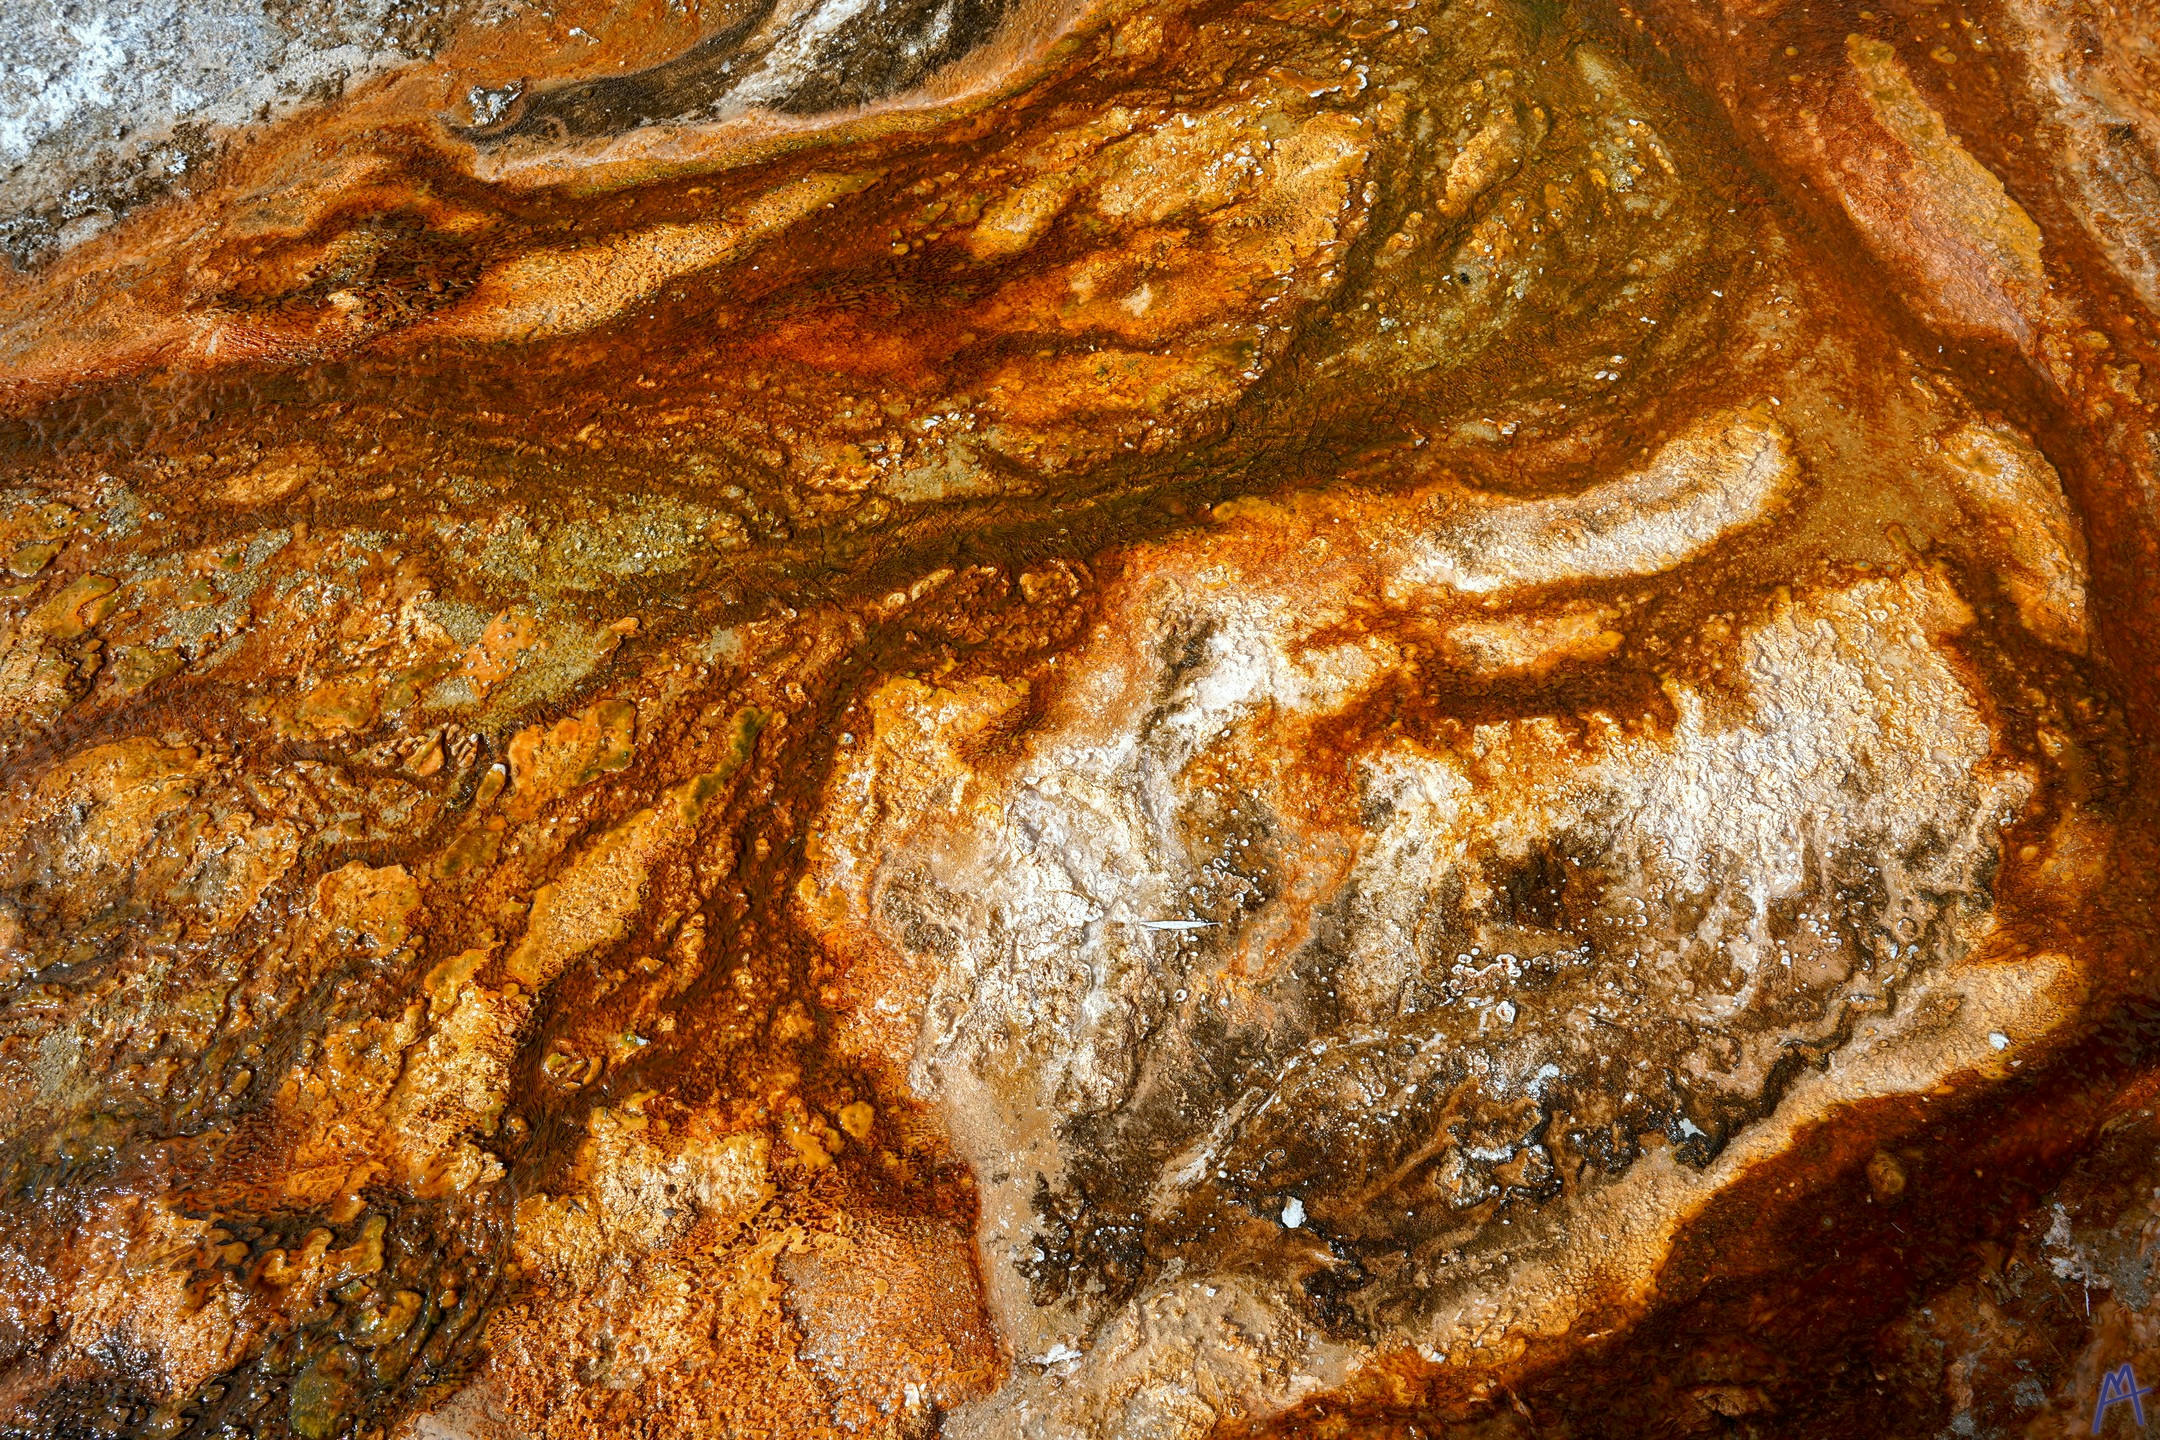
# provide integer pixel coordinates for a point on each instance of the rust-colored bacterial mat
(1079, 720)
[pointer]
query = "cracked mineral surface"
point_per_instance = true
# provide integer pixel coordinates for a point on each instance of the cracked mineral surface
(1072, 720)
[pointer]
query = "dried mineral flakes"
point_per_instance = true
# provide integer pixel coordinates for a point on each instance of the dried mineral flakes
(1729, 473)
(1024, 719)
(1602, 875)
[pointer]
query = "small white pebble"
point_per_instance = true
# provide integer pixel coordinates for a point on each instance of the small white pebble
(1999, 1040)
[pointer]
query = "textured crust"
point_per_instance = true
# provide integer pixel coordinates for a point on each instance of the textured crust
(1025, 720)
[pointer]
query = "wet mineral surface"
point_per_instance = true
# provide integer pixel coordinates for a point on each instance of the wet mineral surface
(980, 718)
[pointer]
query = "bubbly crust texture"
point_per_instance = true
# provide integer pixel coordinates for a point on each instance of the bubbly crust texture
(1011, 719)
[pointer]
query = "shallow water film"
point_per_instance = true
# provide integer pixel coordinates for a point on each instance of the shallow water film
(1079, 720)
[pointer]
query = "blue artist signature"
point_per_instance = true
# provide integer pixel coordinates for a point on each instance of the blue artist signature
(2120, 1387)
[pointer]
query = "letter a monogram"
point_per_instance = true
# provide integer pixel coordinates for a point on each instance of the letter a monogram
(2120, 1387)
